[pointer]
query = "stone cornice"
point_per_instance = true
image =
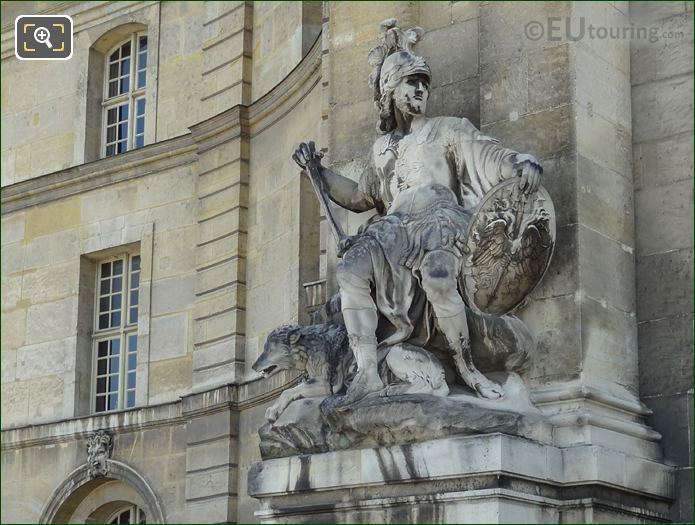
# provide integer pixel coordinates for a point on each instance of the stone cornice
(78, 179)
(280, 100)
(236, 397)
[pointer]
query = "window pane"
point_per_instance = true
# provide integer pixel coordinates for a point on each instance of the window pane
(122, 147)
(116, 319)
(133, 316)
(140, 126)
(113, 70)
(115, 346)
(142, 79)
(106, 269)
(113, 88)
(101, 403)
(142, 43)
(111, 134)
(135, 280)
(103, 321)
(131, 399)
(142, 61)
(140, 107)
(114, 364)
(139, 141)
(101, 370)
(132, 364)
(125, 50)
(135, 263)
(123, 112)
(105, 287)
(125, 67)
(111, 115)
(132, 343)
(113, 383)
(101, 385)
(115, 55)
(116, 302)
(103, 348)
(117, 283)
(123, 131)
(134, 295)
(103, 304)
(113, 402)
(110, 150)
(125, 85)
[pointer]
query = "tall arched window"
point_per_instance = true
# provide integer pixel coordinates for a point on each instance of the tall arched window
(125, 81)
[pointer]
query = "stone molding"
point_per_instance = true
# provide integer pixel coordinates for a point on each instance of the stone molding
(460, 469)
(133, 164)
(227, 397)
(118, 471)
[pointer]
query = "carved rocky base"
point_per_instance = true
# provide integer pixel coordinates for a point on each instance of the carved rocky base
(493, 478)
(307, 427)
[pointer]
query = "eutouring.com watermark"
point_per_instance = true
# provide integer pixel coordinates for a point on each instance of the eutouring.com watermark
(557, 29)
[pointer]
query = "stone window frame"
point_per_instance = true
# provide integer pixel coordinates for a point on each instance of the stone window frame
(130, 97)
(122, 332)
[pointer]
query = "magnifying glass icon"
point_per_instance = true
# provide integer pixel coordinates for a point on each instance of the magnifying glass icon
(42, 36)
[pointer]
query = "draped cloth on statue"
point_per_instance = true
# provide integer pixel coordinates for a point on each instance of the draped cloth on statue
(436, 217)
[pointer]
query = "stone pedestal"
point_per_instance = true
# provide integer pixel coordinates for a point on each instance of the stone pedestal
(493, 478)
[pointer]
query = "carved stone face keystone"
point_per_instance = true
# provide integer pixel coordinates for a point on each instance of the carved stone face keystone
(411, 94)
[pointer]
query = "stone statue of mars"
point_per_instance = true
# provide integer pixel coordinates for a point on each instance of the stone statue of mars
(425, 177)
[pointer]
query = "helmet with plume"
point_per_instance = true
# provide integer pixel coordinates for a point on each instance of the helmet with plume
(393, 59)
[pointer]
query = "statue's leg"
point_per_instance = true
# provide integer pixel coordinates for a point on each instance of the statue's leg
(354, 275)
(439, 271)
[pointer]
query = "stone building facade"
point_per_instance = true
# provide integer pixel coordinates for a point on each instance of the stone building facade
(194, 246)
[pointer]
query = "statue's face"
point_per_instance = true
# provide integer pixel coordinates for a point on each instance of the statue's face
(410, 95)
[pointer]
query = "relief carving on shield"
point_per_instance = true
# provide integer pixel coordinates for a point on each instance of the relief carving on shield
(510, 244)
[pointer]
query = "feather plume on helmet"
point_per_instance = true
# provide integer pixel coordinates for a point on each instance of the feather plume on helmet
(393, 59)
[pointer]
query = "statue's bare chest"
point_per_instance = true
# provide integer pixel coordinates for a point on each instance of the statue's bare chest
(405, 164)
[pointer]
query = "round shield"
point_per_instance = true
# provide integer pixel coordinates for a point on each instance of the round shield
(508, 248)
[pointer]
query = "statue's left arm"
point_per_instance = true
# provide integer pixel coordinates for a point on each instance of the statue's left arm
(482, 162)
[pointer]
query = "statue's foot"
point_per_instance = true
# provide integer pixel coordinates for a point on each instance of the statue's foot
(489, 389)
(360, 388)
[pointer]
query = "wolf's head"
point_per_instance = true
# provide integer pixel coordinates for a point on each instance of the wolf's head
(280, 351)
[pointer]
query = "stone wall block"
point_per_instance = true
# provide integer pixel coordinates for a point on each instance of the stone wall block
(605, 201)
(667, 56)
(555, 323)
(668, 108)
(664, 360)
(665, 219)
(549, 86)
(505, 92)
(461, 60)
(609, 340)
(664, 284)
(612, 283)
(657, 163)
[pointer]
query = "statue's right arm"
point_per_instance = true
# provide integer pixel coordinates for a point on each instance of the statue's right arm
(345, 192)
